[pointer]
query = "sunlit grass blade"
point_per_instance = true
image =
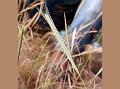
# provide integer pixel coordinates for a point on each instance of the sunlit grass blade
(66, 31)
(59, 38)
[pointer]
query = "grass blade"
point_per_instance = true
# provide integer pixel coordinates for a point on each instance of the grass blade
(57, 35)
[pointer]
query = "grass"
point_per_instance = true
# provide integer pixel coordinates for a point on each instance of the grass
(60, 40)
(21, 33)
(48, 62)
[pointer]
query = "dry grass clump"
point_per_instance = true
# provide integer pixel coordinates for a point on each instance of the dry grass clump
(52, 70)
(45, 62)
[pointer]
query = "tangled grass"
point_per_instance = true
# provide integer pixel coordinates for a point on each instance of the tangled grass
(47, 61)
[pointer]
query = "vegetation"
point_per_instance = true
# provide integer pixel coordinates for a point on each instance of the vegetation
(48, 61)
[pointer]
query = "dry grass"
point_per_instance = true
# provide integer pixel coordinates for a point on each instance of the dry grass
(47, 62)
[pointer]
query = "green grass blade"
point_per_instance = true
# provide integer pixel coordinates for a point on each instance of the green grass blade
(21, 33)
